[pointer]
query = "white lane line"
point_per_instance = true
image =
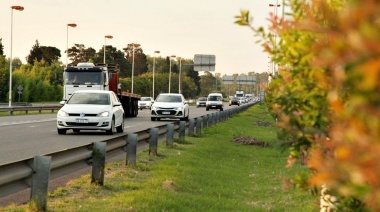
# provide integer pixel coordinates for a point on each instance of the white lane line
(26, 122)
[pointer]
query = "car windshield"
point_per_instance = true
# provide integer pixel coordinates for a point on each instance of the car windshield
(169, 98)
(145, 99)
(214, 98)
(90, 98)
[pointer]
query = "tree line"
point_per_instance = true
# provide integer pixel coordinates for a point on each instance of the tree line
(41, 77)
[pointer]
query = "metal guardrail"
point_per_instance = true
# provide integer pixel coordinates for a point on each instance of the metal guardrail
(30, 108)
(17, 176)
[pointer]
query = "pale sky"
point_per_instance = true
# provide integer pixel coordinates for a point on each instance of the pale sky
(174, 27)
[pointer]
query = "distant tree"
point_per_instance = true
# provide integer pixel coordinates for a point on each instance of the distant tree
(207, 83)
(1, 48)
(114, 56)
(50, 54)
(140, 60)
(79, 53)
(47, 53)
(35, 53)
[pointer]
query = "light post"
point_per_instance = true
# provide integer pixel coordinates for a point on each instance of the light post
(154, 66)
(19, 8)
(180, 74)
(170, 70)
(67, 41)
(133, 61)
(104, 48)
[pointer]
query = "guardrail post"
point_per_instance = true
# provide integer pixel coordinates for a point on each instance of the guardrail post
(198, 126)
(131, 149)
(191, 127)
(153, 140)
(40, 181)
(98, 163)
(205, 121)
(217, 117)
(169, 135)
(181, 130)
(209, 118)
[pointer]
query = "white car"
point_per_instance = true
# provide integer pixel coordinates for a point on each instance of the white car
(145, 102)
(170, 105)
(91, 110)
(214, 101)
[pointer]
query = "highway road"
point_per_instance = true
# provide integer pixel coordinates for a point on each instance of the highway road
(26, 136)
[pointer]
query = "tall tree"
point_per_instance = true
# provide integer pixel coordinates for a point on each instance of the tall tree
(79, 53)
(140, 61)
(35, 53)
(50, 54)
(47, 53)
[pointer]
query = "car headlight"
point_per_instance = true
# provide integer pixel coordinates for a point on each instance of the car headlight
(62, 113)
(103, 114)
(179, 108)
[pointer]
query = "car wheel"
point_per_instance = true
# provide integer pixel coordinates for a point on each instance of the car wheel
(207, 108)
(152, 119)
(112, 129)
(61, 131)
(120, 128)
(76, 130)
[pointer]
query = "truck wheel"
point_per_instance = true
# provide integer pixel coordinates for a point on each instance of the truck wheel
(120, 128)
(221, 109)
(61, 131)
(112, 129)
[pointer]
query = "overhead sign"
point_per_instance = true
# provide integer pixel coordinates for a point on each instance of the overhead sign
(204, 62)
(228, 80)
(240, 80)
(246, 80)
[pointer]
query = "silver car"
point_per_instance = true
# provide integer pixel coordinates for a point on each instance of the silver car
(170, 105)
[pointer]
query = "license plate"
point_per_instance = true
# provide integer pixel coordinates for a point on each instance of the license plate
(82, 120)
(213, 106)
(166, 113)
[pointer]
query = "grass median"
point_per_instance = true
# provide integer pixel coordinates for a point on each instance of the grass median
(235, 165)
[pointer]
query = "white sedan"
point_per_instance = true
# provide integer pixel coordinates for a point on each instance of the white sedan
(91, 110)
(170, 105)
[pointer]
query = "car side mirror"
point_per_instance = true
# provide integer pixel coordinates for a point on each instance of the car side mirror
(62, 102)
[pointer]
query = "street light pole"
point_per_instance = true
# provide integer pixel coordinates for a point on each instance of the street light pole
(104, 48)
(180, 73)
(133, 61)
(19, 8)
(154, 66)
(170, 70)
(67, 41)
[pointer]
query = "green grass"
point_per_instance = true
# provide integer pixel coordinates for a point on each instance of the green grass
(205, 173)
